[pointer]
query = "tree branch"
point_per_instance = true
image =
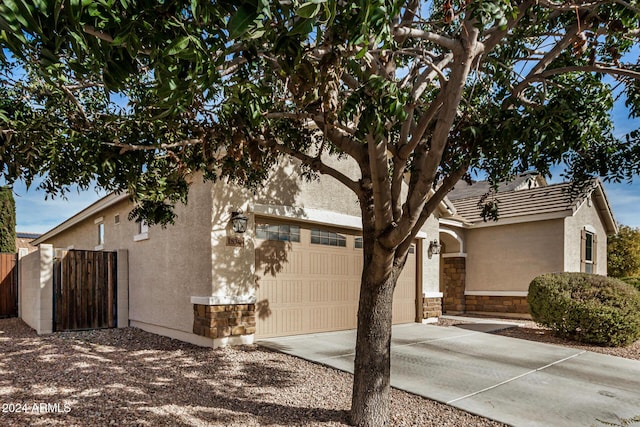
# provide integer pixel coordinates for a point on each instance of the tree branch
(401, 33)
(313, 162)
(378, 166)
(573, 69)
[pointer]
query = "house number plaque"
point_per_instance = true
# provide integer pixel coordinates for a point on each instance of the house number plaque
(235, 241)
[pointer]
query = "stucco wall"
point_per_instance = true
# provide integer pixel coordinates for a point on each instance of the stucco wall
(430, 266)
(285, 187)
(588, 216)
(508, 257)
(36, 289)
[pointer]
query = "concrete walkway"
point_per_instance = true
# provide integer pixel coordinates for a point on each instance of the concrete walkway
(518, 382)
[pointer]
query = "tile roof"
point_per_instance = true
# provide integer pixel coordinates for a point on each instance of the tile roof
(462, 190)
(29, 236)
(534, 201)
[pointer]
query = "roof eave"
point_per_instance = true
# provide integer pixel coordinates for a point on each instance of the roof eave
(84, 214)
(604, 208)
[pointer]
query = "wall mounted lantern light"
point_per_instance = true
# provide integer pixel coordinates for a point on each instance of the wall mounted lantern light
(239, 222)
(434, 248)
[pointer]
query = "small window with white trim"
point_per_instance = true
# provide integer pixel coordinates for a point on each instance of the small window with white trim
(101, 234)
(142, 231)
(588, 252)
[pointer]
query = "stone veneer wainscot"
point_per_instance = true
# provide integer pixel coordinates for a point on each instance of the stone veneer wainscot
(224, 320)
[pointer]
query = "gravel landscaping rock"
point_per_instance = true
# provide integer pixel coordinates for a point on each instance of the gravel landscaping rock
(128, 377)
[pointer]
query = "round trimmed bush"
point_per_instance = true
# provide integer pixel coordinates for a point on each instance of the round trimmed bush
(586, 307)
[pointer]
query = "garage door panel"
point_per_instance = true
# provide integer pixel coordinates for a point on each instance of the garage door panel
(339, 265)
(317, 289)
(318, 263)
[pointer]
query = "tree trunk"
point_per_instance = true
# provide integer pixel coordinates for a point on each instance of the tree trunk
(370, 404)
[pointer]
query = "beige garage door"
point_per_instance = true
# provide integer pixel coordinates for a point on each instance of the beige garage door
(309, 281)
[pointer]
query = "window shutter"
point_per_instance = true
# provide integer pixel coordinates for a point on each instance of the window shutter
(595, 253)
(583, 250)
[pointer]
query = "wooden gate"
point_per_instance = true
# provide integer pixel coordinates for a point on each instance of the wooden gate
(84, 286)
(8, 285)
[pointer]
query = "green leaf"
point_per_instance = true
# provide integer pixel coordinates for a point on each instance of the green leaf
(178, 45)
(241, 21)
(309, 10)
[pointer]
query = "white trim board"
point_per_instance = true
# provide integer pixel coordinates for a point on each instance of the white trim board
(454, 255)
(314, 216)
(498, 293)
(432, 295)
(225, 300)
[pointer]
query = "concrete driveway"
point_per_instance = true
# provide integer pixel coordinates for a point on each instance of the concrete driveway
(518, 382)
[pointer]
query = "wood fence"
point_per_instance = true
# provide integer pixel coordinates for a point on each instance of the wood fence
(84, 286)
(8, 285)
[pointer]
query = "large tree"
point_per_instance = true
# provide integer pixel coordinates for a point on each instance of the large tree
(136, 95)
(623, 252)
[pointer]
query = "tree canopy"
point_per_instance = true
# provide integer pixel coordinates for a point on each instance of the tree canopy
(7, 221)
(136, 95)
(623, 252)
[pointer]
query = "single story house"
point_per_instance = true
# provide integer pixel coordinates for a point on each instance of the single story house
(295, 270)
(487, 265)
(297, 267)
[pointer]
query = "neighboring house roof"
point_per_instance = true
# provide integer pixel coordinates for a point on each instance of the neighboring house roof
(25, 241)
(27, 236)
(539, 203)
(464, 190)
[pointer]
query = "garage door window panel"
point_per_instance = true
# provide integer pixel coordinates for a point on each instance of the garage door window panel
(282, 232)
(328, 238)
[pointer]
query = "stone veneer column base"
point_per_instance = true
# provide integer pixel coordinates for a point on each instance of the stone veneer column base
(431, 308)
(225, 320)
(496, 304)
(453, 278)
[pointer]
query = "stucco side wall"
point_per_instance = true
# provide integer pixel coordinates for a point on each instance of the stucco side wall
(36, 289)
(167, 268)
(506, 258)
(286, 187)
(232, 255)
(585, 216)
(430, 266)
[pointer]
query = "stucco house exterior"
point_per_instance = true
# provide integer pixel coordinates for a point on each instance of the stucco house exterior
(297, 267)
(295, 270)
(486, 266)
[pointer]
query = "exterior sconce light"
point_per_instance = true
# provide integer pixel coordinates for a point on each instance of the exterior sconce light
(239, 222)
(434, 248)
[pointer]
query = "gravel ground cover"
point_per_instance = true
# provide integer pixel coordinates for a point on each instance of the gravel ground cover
(127, 377)
(530, 330)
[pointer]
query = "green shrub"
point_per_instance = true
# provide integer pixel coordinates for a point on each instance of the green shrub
(633, 281)
(586, 307)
